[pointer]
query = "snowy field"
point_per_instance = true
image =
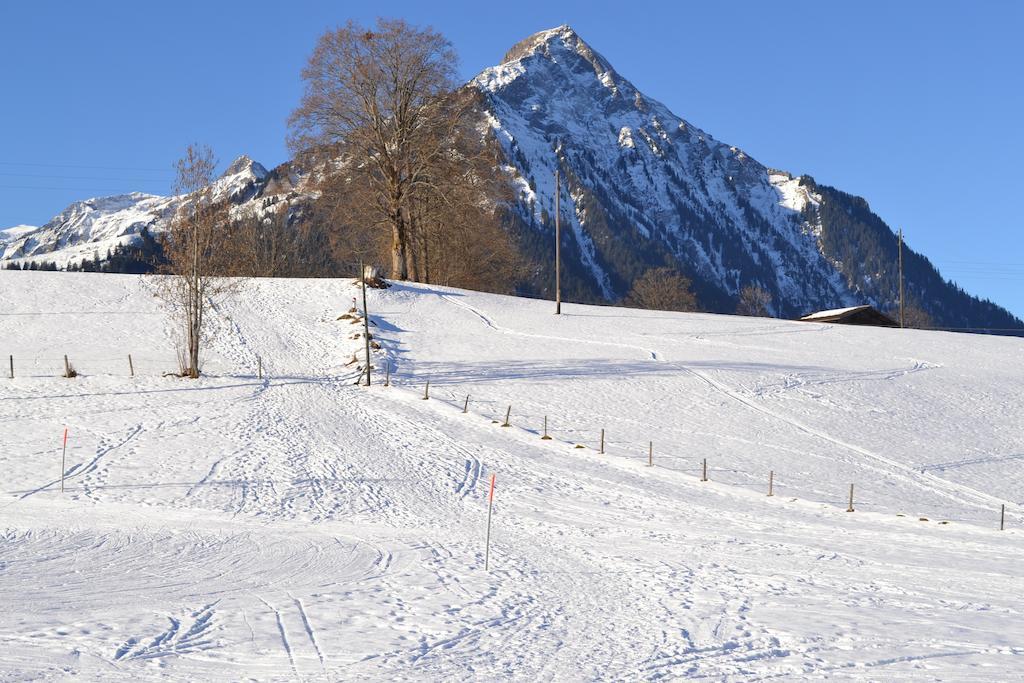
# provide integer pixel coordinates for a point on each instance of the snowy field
(300, 527)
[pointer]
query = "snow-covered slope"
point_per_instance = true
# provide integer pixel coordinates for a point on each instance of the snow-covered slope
(300, 527)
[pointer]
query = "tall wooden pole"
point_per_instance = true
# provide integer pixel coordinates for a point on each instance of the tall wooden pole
(366, 321)
(849, 508)
(558, 246)
(1002, 517)
(902, 318)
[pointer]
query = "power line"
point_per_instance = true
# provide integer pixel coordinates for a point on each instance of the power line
(119, 190)
(81, 177)
(167, 171)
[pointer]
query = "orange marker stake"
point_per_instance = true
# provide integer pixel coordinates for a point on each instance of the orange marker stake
(490, 508)
(63, 455)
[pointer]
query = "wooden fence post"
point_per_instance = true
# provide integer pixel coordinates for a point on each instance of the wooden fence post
(387, 372)
(12, 366)
(650, 454)
(602, 442)
(508, 414)
(259, 366)
(850, 507)
(426, 391)
(704, 471)
(545, 437)
(465, 406)
(771, 481)
(131, 366)
(1002, 517)
(67, 366)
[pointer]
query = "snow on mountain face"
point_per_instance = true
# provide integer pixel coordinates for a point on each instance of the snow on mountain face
(91, 225)
(636, 174)
(641, 188)
(94, 226)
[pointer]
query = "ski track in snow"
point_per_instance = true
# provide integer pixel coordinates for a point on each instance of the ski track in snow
(954, 491)
(301, 528)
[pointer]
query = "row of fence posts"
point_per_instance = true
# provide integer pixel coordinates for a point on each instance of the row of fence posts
(70, 371)
(650, 458)
(490, 496)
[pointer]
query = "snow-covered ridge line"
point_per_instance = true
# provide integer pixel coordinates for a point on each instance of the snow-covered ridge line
(91, 227)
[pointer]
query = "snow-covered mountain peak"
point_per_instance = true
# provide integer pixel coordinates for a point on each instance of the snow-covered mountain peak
(245, 165)
(559, 50)
(551, 42)
(240, 181)
(634, 172)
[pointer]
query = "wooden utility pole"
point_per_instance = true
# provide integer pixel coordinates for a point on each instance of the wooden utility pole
(901, 277)
(131, 366)
(366, 321)
(558, 246)
(849, 508)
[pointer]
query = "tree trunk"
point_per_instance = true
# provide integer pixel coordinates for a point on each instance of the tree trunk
(398, 267)
(411, 266)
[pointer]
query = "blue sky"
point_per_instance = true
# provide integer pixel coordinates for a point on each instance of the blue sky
(916, 106)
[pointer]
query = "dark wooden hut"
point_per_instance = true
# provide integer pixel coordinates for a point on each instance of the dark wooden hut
(855, 315)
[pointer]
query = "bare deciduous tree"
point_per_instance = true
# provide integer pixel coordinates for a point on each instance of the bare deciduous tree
(754, 301)
(917, 318)
(662, 289)
(914, 316)
(198, 252)
(457, 217)
(376, 98)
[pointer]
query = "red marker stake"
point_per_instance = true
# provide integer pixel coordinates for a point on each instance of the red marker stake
(63, 454)
(490, 507)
